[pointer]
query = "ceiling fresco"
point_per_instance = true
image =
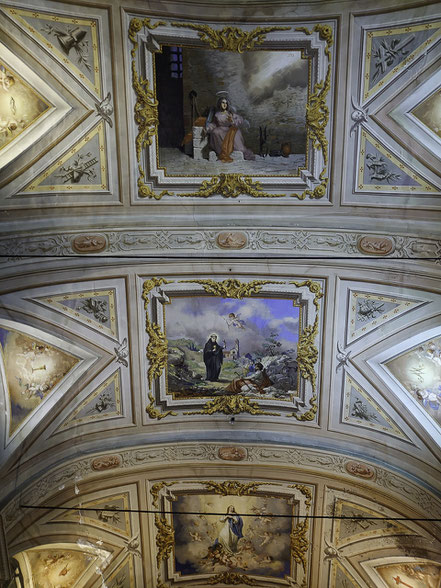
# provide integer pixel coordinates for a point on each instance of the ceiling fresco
(234, 533)
(220, 294)
(24, 104)
(386, 89)
(419, 372)
(32, 370)
(69, 50)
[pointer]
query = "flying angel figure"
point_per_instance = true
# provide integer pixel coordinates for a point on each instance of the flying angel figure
(233, 320)
(6, 79)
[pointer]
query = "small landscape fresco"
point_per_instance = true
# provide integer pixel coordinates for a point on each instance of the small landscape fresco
(219, 346)
(261, 128)
(214, 543)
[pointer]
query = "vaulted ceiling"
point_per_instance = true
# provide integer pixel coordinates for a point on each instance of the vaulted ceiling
(126, 463)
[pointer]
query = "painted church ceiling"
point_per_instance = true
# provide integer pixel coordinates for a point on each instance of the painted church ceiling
(319, 383)
(69, 53)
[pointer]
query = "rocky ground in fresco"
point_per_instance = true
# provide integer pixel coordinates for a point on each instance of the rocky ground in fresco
(178, 163)
(186, 372)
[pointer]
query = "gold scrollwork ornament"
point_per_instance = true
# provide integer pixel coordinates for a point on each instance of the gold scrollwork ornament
(232, 487)
(156, 489)
(307, 352)
(317, 112)
(298, 537)
(230, 186)
(231, 38)
(155, 413)
(146, 106)
(231, 287)
(232, 578)
(157, 348)
(232, 405)
(165, 537)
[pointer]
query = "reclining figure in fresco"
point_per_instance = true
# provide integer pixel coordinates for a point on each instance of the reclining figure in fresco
(252, 384)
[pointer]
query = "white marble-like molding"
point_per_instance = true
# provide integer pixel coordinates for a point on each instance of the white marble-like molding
(310, 460)
(219, 242)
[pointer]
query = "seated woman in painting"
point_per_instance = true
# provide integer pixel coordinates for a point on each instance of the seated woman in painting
(224, 133)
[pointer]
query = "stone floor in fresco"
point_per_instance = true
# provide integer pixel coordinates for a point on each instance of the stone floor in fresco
(178, 163)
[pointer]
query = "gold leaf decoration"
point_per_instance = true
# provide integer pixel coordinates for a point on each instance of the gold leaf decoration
(148, 286)
(155, 413)
(317, 114)
(298, 537)
(144, 191)
(307, 352)
(146, 106)
(232, 288)
(320, 190)
(232, 487)
(230, 186)
(231, 405)
(231, 38)
(232, 578)
(157, 349)
(136, 24)
(165, 537)
(325, 32)
(156, 489)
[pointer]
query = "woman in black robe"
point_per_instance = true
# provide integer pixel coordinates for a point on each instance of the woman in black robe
(213, 358)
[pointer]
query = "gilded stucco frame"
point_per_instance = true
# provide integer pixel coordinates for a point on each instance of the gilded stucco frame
(306, 293)
(317, 40)
(163, 492)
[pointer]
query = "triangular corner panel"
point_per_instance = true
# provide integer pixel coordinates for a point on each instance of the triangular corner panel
(428, 112)
(30, 107)
(123, 576)
(81, 168)
(104, 403)
(109, 513)
(388, 51)
(72, 40)
(61, 565)
(355, 522)
(95, 308)
(35, 368)
(360, 409)
(340, 576)
(382, 171)
(416, 572)
(418, 370)
(368, 311)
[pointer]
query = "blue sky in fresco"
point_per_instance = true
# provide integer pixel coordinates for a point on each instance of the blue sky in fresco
(198, 316)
